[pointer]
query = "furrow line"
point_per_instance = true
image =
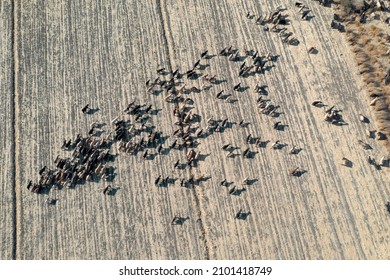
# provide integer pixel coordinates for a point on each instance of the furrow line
(169, 53)
(14, 136)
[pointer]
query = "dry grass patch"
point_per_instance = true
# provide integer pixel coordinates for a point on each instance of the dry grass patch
(368, 42)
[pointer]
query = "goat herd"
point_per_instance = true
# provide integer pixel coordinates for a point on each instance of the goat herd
(134, 134)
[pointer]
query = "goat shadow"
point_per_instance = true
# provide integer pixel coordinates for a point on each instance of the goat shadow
(281, 127)
(300, 173)
(251, 181)
(237, 192)
(92, 111)
(179, 221)
(251, 154)
(348, 164)
(296, 151)
(243, 215)
(242, 89)
(113, 191)
(263, 144)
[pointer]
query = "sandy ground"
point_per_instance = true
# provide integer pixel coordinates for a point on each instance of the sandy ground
(7, 194)
(68, 55)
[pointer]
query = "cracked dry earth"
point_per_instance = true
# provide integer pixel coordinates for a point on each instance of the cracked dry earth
(59, 56)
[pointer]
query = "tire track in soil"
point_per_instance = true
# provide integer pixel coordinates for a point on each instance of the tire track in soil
(169, 52)
(14, 135)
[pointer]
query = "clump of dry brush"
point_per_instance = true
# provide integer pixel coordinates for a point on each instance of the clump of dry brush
(370, 45)
(347, 6)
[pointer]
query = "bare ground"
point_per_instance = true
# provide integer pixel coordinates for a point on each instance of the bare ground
(68, 55)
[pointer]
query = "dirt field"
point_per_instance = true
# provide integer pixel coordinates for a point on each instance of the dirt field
(71, 54)
(6, 134)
